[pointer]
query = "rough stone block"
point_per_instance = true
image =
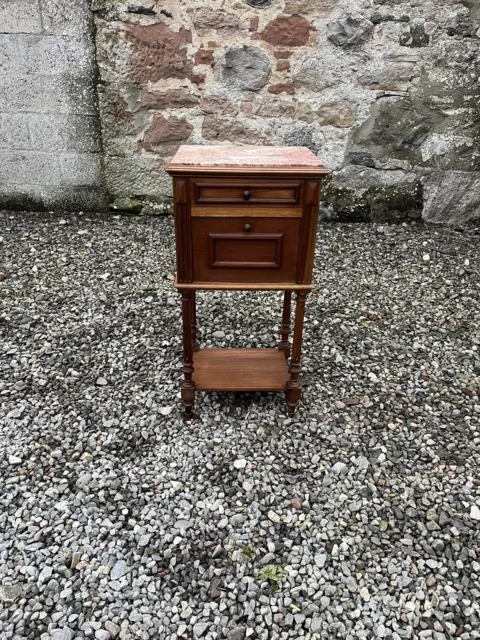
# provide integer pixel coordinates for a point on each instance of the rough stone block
(206, 19)
(80, 169)
(20, 16)
(157, 52)
(452, 197)
(395, 76)
(336, 114)
(311, 72)
(131, 177)
(358, 193)
(177, 98)
(287, 31)
(396, 128)
(319, 7)
(123, 121)
(14, 131)
(166, 134)
(274, 108)
(29, 167)
(218, 128)
(217, 104)
(282, 87)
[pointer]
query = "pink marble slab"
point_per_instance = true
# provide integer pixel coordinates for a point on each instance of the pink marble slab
(251, 156)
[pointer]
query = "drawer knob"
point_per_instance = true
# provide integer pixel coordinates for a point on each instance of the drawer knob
(247, 227)
(246, 195)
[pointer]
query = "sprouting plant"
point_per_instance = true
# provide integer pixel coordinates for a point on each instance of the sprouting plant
(272, 573)
(247, 551)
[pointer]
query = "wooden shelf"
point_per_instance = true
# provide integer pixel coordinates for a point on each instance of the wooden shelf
(240, 370)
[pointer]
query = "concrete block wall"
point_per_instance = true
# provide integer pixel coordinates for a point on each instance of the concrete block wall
(50, 141)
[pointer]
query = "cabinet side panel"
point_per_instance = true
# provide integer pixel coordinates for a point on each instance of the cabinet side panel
(308, 231)
(183, 229)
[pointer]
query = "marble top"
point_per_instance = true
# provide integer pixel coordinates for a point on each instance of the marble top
(251, 156)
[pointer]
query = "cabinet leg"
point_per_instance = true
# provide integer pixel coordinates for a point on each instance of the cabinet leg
(294, 388)
(284, 345)
(188, 386)
(195, 343)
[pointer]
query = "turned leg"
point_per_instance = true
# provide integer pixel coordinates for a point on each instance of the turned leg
(188, 386)
(195, 344)
(284, 345)
(294, 388)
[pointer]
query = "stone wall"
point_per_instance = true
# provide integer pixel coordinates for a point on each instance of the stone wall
(385, 91)
(50, 142)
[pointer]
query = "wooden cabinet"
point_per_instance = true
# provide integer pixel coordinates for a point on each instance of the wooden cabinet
(245, 218)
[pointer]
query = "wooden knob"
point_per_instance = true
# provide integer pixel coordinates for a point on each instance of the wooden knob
(246, 195)
(247, 227)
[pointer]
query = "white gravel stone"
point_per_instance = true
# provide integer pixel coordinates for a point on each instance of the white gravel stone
(339, 468)
(10, 593)
(320, 560)
(199, 629)
(119, 569)
(362, 462)
(273, 517)
(475, 512)
(45, 574)
(62, 634)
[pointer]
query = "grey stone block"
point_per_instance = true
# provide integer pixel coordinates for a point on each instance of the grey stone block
(8, 53)
(14, 131)
(452, 197)
(47, 94)
(349, 31)
(29, 168)
(20, 16)
(23, 54)
(64, 132)
(81, 169)
(66, 17)
(52, 198)
(246, 68)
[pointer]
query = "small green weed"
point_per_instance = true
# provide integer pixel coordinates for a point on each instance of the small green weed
(247, 551)
(274, 574)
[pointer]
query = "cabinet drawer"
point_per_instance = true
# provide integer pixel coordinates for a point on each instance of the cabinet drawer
(245, 249)
(233, 191)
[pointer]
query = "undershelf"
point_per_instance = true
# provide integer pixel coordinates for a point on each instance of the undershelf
(240, 370)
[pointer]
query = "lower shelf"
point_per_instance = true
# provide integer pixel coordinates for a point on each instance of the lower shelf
(240, 370)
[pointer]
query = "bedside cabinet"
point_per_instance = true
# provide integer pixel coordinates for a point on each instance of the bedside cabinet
(245, 219)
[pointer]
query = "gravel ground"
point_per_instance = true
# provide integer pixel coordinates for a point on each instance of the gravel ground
(359, 518)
